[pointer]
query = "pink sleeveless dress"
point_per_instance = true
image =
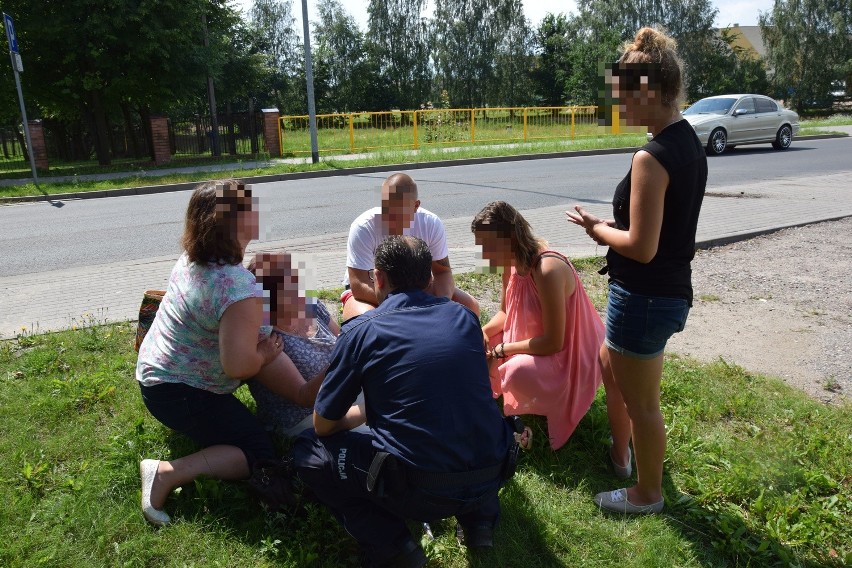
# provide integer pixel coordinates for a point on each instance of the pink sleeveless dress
(561, 386)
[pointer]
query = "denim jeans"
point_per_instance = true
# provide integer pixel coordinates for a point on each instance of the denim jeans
(639, 326)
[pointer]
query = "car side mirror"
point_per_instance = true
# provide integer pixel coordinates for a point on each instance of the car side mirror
(740, 111)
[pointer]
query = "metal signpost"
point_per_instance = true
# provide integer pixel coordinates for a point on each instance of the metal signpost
(309, 77)
(18, 67)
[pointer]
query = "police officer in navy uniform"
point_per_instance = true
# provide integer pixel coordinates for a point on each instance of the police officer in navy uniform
(436, 444)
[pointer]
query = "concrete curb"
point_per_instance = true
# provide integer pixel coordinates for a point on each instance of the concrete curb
(746, 235)
(151, 189)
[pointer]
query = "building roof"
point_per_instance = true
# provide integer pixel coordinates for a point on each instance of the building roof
(748, 38)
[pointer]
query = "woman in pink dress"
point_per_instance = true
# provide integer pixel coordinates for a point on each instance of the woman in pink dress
(543, 344)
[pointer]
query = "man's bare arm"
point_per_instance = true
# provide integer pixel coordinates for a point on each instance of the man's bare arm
(362, 288)
(443, 284)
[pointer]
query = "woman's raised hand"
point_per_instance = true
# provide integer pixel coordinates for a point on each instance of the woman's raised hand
(588, 221)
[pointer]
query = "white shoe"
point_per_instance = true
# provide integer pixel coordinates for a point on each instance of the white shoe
(148, 471)
(616, 501)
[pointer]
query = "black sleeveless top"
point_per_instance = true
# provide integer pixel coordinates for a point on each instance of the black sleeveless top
(668, 274)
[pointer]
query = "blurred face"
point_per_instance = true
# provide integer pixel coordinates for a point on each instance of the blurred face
(496, 249)
(398, 209)
(290, 301)
(248, 219)
(638, 95)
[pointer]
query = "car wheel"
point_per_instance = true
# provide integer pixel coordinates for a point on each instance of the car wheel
(717, 142)
(784, 138)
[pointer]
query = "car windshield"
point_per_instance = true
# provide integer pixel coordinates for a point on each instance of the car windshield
(711, 106)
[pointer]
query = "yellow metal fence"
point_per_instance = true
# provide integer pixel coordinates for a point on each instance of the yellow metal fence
(412, 129)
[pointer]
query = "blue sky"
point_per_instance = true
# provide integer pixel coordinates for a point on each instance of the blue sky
(743, 12)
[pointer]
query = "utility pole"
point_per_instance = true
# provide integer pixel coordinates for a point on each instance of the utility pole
(211, 96)
(309, 77)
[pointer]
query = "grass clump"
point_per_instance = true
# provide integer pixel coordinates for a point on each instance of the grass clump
(756, 474)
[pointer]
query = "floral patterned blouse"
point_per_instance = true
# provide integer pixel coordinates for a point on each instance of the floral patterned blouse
(182, 345)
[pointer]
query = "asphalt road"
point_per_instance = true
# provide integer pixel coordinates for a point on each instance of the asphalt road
(38, 237)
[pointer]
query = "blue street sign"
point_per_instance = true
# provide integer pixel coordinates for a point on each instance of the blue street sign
(10, 33)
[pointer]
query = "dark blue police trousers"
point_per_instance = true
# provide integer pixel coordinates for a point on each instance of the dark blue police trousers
(335, 467)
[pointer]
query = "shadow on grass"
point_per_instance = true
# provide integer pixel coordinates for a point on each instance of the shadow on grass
(716, 529)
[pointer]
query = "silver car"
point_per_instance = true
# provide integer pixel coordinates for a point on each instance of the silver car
(727, 120)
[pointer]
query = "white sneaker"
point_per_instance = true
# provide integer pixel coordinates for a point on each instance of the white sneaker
(617, 502)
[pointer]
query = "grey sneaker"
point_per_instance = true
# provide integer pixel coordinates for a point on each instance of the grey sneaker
(616, 501)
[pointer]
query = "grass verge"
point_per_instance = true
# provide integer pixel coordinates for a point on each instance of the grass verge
(834, 120)
(756, 474)
(46, 187)
(820, 131)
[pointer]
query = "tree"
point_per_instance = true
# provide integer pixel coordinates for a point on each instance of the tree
(591, 49)
(469, 35)
(514, 59)
(553, 40)
(278, 39)
(342, 73)
(729, 68)
(397, 42)
(808, 46)
(689, 22)
(91, 61)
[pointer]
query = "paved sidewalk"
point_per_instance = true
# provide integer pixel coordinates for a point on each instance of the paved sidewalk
(111, 292)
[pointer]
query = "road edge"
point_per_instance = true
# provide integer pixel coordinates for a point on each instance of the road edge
(168, 188)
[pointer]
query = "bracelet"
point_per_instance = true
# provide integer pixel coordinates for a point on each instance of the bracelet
(502, 354)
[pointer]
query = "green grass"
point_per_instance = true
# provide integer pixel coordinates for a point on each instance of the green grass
(834, 120)
(120, 165)
(378, 158)
(820, 132)
(454, 131)
(756, 474)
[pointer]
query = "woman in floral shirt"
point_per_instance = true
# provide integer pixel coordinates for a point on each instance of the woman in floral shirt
(203, 343)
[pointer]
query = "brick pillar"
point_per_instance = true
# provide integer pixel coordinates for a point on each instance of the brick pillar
(39, 149)
(160, 139)
(270, 132)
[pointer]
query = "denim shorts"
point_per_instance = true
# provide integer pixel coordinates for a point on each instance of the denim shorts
(639, 326)
(209, 419)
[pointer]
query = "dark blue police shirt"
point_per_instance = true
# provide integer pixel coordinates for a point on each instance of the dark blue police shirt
(421, 363)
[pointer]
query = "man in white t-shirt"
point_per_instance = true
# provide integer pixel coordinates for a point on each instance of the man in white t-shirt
(399, 214)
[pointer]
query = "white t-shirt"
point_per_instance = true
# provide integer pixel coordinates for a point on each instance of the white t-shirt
(366, 233)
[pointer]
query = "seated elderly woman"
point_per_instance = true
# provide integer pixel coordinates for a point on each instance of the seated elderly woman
(307, 331)
(203, 343)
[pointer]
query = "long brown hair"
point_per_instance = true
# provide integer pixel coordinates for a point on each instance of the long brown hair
(505, 221)
(653, 47)
(210, 232)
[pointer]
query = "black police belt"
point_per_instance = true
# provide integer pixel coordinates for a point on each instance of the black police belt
(441, 480)
(420, 479)
(500, 472)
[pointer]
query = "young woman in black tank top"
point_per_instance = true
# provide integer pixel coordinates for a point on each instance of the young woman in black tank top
(651, 242)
